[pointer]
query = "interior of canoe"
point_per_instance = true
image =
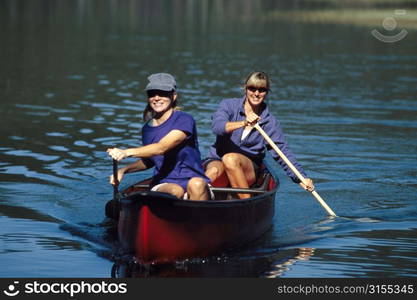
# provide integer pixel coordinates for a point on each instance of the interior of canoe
(264, 183)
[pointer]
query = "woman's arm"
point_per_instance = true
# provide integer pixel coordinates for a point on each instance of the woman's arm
(221, 123)
(168, 142)
(232, 126)
(134, 167)
(251, 119)
(137, 166)
(275, 132)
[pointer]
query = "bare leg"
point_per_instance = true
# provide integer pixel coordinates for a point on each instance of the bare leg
(197, 189)
(216, 173)
(173, 189)
(240, 171)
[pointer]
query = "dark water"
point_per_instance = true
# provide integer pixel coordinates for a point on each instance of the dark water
(71, 85)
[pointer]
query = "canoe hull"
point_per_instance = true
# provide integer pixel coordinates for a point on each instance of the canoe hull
(159, 228)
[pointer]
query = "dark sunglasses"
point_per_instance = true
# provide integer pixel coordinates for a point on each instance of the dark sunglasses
(160, 93)
(253, 89)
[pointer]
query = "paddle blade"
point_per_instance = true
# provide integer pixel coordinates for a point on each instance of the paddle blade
(112, 209)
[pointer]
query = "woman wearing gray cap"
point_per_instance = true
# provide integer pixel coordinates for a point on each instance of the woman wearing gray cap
(170, 144)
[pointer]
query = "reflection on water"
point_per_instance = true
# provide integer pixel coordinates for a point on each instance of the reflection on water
(71, 85)
(214, 267)
(280, 267)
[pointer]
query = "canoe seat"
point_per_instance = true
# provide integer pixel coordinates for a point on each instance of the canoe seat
(259, 187)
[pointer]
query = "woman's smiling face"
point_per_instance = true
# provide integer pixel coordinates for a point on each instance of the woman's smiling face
(256, 95)
(160, 101)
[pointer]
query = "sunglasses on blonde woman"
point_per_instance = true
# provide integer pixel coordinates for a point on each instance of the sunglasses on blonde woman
(253, 89)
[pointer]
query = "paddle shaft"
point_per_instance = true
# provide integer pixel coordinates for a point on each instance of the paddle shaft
(116, 179)
(294, 169)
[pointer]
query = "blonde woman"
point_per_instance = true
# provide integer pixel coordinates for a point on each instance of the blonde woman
(238, 151)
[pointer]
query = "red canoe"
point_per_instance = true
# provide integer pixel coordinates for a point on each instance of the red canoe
(160, 228)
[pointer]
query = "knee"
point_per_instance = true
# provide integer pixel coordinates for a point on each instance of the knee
(177, 191)
(230, 161)
(213, 172)
(196, 184)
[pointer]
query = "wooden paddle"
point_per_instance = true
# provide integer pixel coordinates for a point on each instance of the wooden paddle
(112, 207)
(294, 169)
(116, 179)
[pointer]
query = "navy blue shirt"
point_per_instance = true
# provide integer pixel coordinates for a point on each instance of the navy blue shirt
(253, 146)
(181, 163)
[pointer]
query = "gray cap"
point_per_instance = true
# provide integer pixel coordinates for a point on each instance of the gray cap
(161, 81)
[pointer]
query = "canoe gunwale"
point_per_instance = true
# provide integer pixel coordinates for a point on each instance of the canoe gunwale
(148, 196)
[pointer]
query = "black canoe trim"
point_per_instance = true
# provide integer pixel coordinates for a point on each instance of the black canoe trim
(150, 197)
(219, 189)
(258, 190)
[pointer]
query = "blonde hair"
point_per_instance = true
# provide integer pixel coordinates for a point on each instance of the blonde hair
(258, 79)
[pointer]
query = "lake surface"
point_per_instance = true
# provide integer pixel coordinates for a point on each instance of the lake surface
(71, 84)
